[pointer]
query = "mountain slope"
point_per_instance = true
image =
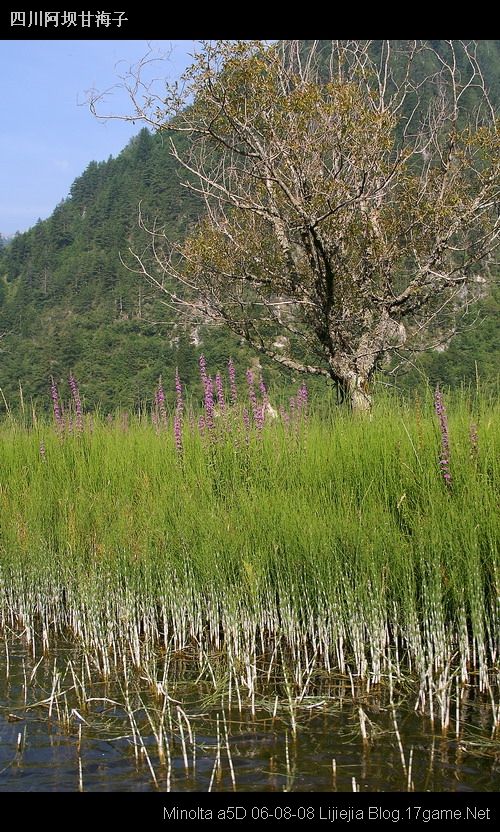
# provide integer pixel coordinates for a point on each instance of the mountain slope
(66, 300)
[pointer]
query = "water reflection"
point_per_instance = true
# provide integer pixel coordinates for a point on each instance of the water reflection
(55, 736)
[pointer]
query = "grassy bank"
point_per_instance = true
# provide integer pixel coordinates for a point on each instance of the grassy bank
(335, 542)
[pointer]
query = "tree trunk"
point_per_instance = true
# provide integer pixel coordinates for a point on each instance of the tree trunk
(355, 390)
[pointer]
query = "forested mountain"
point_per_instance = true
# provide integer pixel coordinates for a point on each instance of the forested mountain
(67, 302)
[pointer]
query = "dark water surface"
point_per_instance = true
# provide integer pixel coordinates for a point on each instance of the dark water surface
(50, 741)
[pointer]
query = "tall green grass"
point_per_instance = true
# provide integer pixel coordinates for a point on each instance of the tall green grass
(335, 542)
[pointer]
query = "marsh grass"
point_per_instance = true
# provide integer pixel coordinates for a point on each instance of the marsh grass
(332, 546)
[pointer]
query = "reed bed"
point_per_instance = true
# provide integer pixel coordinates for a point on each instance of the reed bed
(182, 733)
(295, 544)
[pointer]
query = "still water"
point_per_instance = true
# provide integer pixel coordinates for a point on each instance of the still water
(55, 736)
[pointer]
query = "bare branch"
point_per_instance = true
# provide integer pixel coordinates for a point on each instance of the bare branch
(350, 200)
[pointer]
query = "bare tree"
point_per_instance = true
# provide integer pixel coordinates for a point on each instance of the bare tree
(351, 201)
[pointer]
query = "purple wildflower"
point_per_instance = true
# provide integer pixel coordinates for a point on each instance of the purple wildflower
(77, 403)
(232, 381)
(474, 445)
(203, 369)
(209, 402)
(266, 404)
(160, 402)
(208, 393)
(444, 458)
(259, 415)
(220, 392)
(201, 425)
(302, 398)
(56, 406)
(179, 407)
(256, 410)
(285, 417)
(178, 431)
(263, 390)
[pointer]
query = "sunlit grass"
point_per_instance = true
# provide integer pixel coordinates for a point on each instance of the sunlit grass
(334, 541)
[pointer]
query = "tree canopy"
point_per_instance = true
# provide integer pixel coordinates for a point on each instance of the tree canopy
(351, 202)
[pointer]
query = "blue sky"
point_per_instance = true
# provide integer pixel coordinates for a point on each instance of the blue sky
(47, 134)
